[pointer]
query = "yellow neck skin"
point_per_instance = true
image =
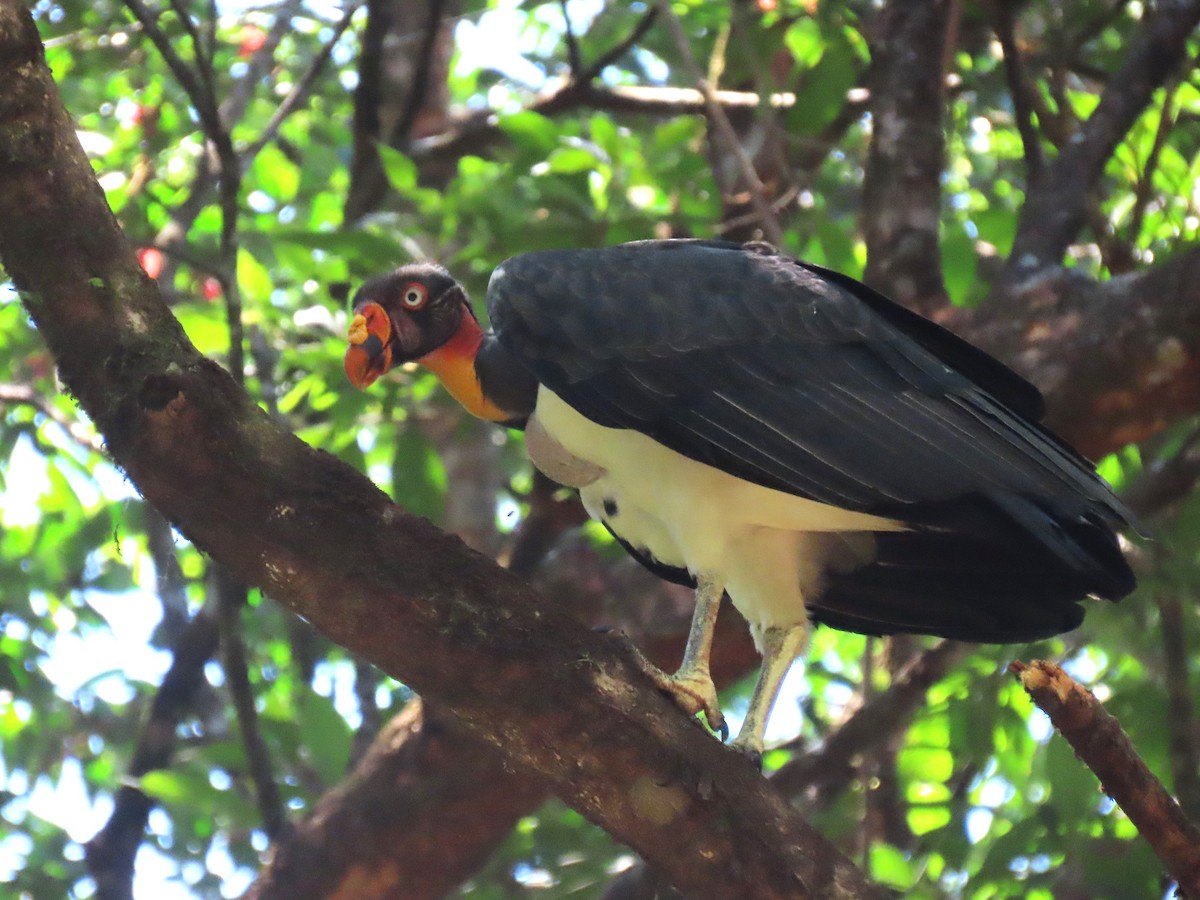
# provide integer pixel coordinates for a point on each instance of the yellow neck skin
(454, 364)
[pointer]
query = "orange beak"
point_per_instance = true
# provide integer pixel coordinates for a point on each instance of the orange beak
(369, 354)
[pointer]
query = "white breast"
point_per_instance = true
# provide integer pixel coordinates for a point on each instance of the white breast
(768, 548)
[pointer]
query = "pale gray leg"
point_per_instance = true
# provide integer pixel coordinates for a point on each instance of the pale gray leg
(780, 647)
(692, 686)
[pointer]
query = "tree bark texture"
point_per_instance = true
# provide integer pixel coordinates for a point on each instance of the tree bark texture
(1101, 743)
(902, 192)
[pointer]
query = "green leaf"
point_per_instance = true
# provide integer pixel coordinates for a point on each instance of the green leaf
(888, 865)
(805, 42)
(529, 130)
(1074, 790)
(276, 174)
(418, 476)
(254, 279)
(959, 265)
(325, 736)
(400, 170)
(822, 91)
(565, 160)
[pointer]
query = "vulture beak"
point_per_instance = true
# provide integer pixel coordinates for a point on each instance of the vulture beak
(370, 352)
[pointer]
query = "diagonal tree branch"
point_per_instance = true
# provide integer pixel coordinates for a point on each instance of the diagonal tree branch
(424, 775)
(1098, 740)
(320, 538)
(1054, 213)
(419, 791)
(25, 395)
(244, 89)
(197, 90)
(619, 49)
(300, 90)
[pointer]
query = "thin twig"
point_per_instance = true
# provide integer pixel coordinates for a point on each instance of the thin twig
(574, 57)
(205, 108)
(229, 173)
(231, 600)
(172, 236)
(230, 189)
(1019, 89)
(301, 89)
(1185, 756)
(619, 49)
(780, 203)
(169, 581)
(1145, 185)
(110, 853)
(24, 395)
(203, 53)
(721, 127)
(1098, 740)
(233, 107)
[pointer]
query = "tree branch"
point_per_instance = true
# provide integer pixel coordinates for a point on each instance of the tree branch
(233, 107)
(901, 214)
(300, 90)
(1005, 13)
(110, 853)
(1054, 213)
(197, 91)
(619, 49)
(426, 791)
(1117, 360)
(424, 775)
(574, 57)
(477, 132)
(1104, 748)
(25, 395)
(828, 770)
(318, 537)
(726, 137)
(1181, 722)
(231, 601)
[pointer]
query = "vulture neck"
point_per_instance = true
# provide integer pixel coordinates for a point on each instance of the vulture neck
(481, 375)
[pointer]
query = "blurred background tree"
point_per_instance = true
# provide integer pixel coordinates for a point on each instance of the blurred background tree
(1025, 172)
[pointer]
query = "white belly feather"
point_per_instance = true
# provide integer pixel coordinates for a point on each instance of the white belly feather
(768, 548)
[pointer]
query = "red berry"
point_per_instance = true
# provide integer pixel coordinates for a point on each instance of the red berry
(151, 259)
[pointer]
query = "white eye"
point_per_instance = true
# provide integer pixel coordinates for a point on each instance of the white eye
(414, 296)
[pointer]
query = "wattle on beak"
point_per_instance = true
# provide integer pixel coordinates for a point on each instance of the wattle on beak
(369, 354)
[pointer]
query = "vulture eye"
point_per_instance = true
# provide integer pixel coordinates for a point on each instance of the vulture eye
(414, 295)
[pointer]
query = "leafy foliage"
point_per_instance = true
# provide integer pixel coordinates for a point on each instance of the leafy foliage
(987, 803)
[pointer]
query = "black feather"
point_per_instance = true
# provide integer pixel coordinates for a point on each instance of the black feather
(805, 381)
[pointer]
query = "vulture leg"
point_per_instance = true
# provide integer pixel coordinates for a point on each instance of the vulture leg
(780, 645)
(692, 686)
